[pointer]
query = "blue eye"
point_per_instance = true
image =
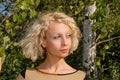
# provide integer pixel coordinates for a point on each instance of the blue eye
(56, 37)
(68, 35)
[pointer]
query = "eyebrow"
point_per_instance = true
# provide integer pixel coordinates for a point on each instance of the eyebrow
(60, 33)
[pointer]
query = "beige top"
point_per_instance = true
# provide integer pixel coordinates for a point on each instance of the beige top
(37, 75)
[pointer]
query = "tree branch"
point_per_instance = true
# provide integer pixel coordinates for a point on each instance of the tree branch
(6, 17)
(110, 39)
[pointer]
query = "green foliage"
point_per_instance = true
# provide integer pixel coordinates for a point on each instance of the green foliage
(107, 26)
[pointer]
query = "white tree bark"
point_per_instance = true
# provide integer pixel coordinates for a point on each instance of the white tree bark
(89, 48)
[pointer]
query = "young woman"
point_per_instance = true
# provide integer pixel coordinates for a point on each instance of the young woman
(53, 36)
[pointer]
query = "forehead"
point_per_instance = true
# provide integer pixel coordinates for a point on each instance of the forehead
(57, 27)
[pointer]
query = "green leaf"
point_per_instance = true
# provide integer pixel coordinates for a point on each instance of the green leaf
(104, 29)
(106, 10)
(106, 46)
(13, 33)
(17, 27)
(6, 39)
(37, 2)
(102, 52)
(8, 24)
(33, 13)
(3, 57)
(32, 2)
(71, 7)
(15, 17)
(2, 54)
(118, 17)
(24, 15)
(18, 18)
(15, 44)
(1, 33)
(24, 3)
(98, 63)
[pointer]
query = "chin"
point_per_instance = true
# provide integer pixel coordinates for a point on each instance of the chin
(63, 56)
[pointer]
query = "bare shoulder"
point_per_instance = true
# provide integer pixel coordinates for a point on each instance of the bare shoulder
(82, 73)
(19, 77)
(28, 71)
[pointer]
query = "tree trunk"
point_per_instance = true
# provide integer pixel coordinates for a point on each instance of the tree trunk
(89, 38)
(89, 48)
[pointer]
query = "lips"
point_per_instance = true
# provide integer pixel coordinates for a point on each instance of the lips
(64, 50)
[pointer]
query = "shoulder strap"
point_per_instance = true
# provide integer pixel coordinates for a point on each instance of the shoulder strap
(86, 77)
(23, 73)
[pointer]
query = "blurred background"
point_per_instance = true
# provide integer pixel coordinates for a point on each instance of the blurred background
(17, 15)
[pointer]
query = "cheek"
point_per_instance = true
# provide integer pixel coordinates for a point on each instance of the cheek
(70, 43)
(55, 44)
(52, 44)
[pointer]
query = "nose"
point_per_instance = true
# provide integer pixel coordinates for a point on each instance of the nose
(64, 41)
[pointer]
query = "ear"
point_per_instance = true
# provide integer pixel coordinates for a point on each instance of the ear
(43, 43)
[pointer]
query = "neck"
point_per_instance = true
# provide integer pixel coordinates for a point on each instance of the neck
(53, 65)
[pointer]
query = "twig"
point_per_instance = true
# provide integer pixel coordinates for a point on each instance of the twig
(110, 39)
(5, 18)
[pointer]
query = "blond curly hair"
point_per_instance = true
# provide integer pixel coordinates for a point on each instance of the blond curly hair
(31, 44)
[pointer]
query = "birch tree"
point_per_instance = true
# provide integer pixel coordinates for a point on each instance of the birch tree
(89, 48)
(92, 39)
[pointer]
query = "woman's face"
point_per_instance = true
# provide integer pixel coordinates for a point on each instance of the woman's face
(57, 40)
